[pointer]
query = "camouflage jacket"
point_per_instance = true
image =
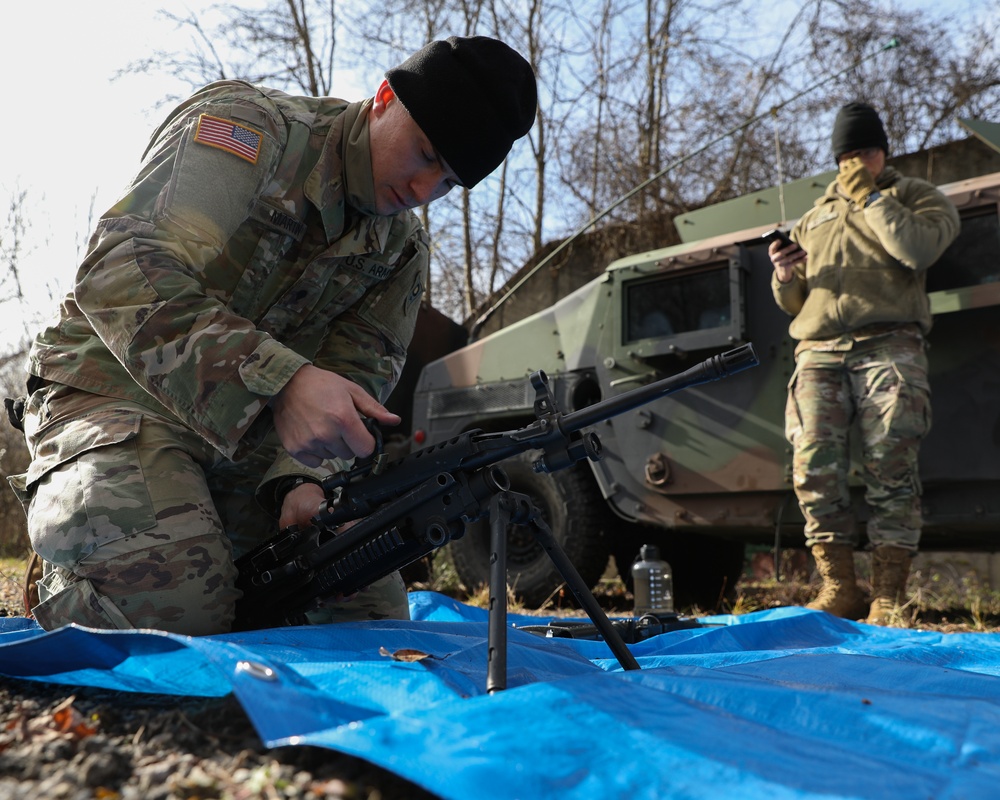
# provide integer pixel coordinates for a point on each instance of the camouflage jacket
(233, 258)
(867, 266)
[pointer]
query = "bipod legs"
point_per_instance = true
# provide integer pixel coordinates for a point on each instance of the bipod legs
(512, 507)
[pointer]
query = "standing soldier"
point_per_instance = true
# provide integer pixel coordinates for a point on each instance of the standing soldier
(241, 309)
(854, 285)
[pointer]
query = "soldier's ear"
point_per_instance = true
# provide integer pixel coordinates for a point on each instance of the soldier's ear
(383, 97)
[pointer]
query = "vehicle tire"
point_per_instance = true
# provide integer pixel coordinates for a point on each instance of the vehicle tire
(705, 568)
(572, 507)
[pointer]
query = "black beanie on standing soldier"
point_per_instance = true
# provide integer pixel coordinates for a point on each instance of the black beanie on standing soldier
(472, 96)
(857, 127)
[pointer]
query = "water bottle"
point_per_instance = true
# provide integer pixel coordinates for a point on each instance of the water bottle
(652, 583)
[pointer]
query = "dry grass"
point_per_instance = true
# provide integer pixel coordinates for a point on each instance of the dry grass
(11, 581)
(941, 596)
(945, 593)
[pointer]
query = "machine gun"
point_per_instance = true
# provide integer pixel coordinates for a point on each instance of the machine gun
(404, 509)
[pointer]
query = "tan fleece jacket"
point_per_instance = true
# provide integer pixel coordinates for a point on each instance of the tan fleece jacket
(867, 265)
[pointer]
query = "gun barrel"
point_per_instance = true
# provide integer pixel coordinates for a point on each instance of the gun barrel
(711, 369)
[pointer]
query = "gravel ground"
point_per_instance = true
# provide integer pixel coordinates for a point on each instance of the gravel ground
(70, 743)
(59, 742)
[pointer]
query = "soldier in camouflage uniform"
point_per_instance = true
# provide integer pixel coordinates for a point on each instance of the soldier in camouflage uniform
(248, 300)
(856, 292)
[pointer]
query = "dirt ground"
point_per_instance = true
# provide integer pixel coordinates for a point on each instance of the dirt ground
(66, 743)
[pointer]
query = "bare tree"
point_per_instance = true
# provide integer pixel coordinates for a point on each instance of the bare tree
(601, 48)
(630, 92)
(12, 248)
(286, 43)
(481, 235)
(659, 97)
(13, 450)
(944, 67)
(700, 76)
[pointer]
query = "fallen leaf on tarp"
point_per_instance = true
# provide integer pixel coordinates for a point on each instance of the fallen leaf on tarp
(405, 654)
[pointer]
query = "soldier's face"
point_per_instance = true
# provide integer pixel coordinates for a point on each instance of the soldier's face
(406, 169)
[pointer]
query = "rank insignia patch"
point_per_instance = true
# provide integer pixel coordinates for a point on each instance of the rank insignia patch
(229, 136)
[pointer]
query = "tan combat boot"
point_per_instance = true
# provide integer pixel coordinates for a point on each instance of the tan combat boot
(890, 569)
(839, 595)
(32, 575)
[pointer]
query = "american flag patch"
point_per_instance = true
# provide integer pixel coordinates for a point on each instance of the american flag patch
(229, 136)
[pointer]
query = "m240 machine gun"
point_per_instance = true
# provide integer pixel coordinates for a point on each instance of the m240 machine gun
(405, 509)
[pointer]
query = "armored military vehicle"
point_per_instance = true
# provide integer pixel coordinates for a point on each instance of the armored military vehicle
(705, 471)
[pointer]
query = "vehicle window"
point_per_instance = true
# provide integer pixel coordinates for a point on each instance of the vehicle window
(678, 303)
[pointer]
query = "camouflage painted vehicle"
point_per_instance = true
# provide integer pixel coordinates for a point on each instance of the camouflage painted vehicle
(703, 472)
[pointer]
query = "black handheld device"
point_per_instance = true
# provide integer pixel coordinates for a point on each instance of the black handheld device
(776, 235)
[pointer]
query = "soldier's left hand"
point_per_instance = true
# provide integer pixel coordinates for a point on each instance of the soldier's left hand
(300, 505)
(855, 179)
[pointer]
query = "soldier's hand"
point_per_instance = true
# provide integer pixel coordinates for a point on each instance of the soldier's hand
(300, 505)
(784, 260)
(318, 416)
(855, 179)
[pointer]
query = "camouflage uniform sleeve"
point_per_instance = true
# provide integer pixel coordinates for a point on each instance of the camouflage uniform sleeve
(915, 225)
(144, 287)
(367, 344)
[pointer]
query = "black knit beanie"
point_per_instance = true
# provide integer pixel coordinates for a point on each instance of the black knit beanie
(473, 97)
(858, 126)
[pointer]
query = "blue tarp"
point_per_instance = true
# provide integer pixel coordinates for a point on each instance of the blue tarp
(787, 703)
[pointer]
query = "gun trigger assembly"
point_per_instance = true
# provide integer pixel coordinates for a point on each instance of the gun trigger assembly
(378, 459)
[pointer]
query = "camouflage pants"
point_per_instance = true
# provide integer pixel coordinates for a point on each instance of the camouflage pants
(139, 521)
(880, 389)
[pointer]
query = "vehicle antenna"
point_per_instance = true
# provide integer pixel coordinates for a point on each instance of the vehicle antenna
(478, 324)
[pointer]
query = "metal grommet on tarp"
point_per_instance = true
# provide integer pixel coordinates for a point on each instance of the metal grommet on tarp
(257, 670)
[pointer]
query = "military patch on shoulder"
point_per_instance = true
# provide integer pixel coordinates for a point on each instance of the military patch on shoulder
(229, 136)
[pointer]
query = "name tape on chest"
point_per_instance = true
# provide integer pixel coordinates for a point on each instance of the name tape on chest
(230, 136)
(278, 220)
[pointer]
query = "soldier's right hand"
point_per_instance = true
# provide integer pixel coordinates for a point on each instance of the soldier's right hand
(318, 416)
(784, 260)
